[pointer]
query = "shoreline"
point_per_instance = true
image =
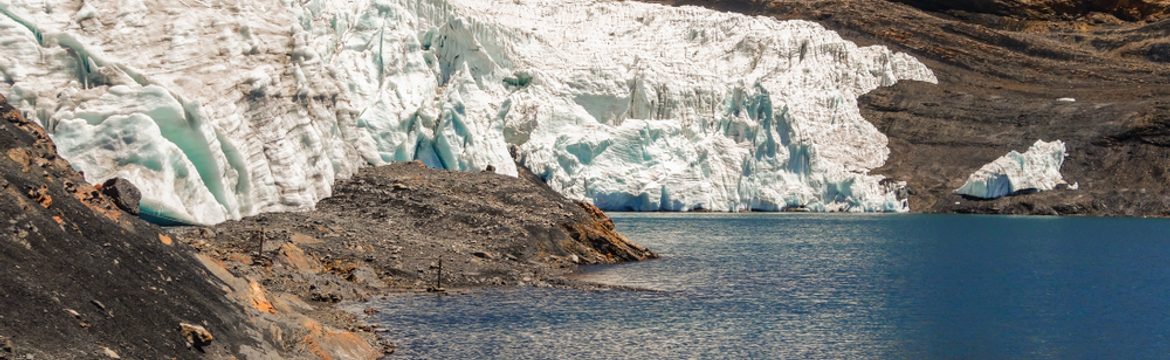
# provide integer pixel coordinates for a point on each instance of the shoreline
(92, 279)
(972, 212)
(400, 229)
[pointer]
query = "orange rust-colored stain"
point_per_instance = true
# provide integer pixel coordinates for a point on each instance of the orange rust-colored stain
(326, 342)
(89, 196)
(21, 157)
(298, 259)
(259, 299)
(58, 219)
(166, 239)
(239, 258)
(311, 342)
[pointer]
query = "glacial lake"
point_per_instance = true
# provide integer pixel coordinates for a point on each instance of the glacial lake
(767, 286)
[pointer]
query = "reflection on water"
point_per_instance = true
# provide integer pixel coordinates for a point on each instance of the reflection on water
(819, 286)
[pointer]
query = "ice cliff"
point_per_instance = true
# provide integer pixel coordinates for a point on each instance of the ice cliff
(1037, 169)
(222, 109)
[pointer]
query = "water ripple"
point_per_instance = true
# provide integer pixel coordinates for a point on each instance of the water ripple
(820, 287)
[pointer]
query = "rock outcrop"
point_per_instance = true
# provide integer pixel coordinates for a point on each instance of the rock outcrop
(80, 278)
(406, 226)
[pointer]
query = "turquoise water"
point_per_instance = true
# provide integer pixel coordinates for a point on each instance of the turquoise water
(769, 286)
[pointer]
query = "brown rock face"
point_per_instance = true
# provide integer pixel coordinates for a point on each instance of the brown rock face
(1000, 78)
(599, 233)
(1131, 10)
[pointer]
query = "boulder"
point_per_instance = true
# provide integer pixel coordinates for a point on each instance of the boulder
(123, 193)
(197, 336)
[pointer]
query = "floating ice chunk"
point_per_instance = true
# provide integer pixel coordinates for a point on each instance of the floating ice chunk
(1037, 169)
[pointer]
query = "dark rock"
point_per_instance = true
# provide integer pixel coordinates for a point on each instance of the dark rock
(514, 151)
(124, 194)
(482, 255)
(902, 193)
(196, 336)
(102, 307)
(1159, 52)
(6, 345)
(490, 169)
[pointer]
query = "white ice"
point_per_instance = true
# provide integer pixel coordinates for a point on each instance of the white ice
(223, 109)
(1037, 169)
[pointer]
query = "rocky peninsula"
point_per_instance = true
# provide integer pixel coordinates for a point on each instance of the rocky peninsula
(86, 278)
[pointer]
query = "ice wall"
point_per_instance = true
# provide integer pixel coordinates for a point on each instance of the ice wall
(1037, 169)
(223, 109)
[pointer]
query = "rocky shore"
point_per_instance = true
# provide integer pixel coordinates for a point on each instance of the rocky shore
(405, 227)
(82, 277)
(85, 278)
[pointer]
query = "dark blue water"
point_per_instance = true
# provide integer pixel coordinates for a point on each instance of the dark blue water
(818, 286)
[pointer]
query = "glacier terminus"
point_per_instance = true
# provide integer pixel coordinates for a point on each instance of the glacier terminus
(632, 106)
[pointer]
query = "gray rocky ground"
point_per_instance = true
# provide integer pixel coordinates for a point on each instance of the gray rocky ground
(390, 227)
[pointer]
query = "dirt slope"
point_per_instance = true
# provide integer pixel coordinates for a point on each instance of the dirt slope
(80, 277)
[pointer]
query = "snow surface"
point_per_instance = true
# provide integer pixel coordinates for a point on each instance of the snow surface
(222, 109)
(1037, 169)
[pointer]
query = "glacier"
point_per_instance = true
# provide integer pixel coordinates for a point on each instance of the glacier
(220, 109)
(1037, 169)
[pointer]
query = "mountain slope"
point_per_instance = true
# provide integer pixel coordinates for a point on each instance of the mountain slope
(80, 276)
(1001, 84)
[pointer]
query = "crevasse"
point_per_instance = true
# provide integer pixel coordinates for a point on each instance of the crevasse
(223, 109)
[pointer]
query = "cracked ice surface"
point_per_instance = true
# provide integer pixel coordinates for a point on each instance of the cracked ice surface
(222, 109)
(1037, 169)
